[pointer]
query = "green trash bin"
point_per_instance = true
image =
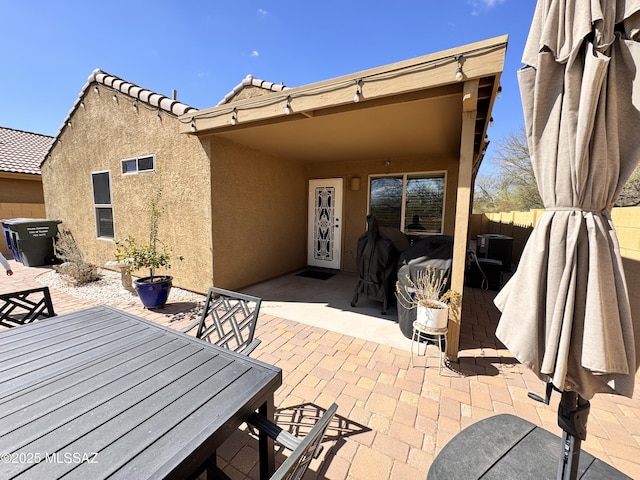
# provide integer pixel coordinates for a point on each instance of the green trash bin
(33, 239)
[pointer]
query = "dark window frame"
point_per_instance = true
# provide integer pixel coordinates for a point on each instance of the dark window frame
(102, 205)
(135, 164)
(396, 206)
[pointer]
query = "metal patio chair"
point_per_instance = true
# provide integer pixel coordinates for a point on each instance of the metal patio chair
(303, 450)
(25, 306)
(229, 320)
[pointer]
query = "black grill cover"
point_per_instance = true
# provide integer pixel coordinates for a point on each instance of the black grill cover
(436, 251)
(377, 258)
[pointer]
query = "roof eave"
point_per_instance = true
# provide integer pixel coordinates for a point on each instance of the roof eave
(20, 175)
(478, 60)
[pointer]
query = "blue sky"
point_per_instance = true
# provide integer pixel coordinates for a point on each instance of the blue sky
(205, 48)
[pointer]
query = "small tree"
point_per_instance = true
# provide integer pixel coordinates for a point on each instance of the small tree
(513, 186)
(153, 255)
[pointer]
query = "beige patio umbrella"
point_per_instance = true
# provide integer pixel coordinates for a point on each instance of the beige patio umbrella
(565, 312)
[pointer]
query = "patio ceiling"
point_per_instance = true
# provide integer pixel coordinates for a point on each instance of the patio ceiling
(413, 107)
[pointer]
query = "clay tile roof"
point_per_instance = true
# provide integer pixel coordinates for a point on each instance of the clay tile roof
(22, 152)
(250, 81)
(156, 100)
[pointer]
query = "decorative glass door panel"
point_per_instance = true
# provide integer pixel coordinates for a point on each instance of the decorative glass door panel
(325, 213)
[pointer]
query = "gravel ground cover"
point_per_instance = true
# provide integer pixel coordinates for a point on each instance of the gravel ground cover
(109, 290)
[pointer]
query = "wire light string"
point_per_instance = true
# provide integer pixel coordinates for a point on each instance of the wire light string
(360, 83)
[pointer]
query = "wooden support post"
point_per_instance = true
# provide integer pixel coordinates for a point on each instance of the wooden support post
(463, 207)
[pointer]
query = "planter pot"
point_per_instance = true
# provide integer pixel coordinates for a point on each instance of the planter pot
(433, 317)
(153, 294)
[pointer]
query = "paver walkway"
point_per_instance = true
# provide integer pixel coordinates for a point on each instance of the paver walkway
(393, 418)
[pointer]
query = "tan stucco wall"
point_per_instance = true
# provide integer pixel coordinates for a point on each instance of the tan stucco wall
(20, 196)
(17, 190)
(18, 210)
(259, 223)
(103, 133)
(355, 202)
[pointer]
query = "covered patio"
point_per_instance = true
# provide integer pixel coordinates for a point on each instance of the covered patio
(392, 419)
(422, 121)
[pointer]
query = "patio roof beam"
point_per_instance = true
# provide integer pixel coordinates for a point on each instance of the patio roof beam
(482, 59)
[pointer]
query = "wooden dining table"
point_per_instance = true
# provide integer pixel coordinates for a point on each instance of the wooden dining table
(101, 393)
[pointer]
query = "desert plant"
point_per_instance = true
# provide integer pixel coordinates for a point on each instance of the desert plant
(152, 255)
(74, 267)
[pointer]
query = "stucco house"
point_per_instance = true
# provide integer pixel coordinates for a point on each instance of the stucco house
(21, 193)
(273, 179)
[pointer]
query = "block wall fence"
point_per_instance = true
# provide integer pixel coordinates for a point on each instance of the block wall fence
(519, 225)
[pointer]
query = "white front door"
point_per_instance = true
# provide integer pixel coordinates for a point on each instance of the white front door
(325, 217)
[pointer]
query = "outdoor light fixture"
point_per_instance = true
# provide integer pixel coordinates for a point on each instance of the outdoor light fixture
(356, 96)
(135, 105)
(95, 88)
(491, 122)
(82, 103)
(234, 117)
(69, 123)
(115, 98)
(193, 125)
(287, 107)
(459, 75)
(499, 92)
(355, 183)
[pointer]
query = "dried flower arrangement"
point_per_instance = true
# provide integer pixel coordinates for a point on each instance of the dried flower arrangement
(428, 294)
(427, 290)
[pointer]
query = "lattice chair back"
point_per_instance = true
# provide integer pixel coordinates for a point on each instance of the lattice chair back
(229, 320)
(303, 449)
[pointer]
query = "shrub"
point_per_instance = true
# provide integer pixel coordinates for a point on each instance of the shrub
(74, 268)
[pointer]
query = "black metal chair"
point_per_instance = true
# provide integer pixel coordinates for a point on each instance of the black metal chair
(303, 449)
(25, 306)
(229, 320)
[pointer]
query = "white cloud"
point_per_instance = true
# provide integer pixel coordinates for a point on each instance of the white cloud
(477, 5)
(262, 11)
(491, 3)
(255, 53)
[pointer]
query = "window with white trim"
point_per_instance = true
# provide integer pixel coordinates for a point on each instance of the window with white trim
(412, 203)
(102, 204)
(139, 164)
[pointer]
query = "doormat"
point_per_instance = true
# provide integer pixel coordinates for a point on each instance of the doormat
(315, 274)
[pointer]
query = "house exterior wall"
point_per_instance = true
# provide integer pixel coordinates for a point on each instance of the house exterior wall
(259, 222)
(20, 190)
(18, 210)
(103, 133)
(356, 202)
(21, 196)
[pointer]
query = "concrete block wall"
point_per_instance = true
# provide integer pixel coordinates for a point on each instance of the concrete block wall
(519, 225)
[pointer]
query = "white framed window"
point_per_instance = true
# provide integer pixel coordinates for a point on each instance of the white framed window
(139, 164)
(103, 208)
(410, 202)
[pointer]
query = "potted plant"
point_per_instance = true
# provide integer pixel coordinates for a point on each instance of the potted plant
(426, 293)
(153, 290)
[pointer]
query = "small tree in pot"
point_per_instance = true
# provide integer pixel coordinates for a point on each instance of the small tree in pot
(154, 289)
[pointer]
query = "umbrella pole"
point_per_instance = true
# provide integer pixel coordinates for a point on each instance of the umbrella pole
(573, 412)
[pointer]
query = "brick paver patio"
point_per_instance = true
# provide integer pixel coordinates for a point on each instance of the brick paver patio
(393, 418)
